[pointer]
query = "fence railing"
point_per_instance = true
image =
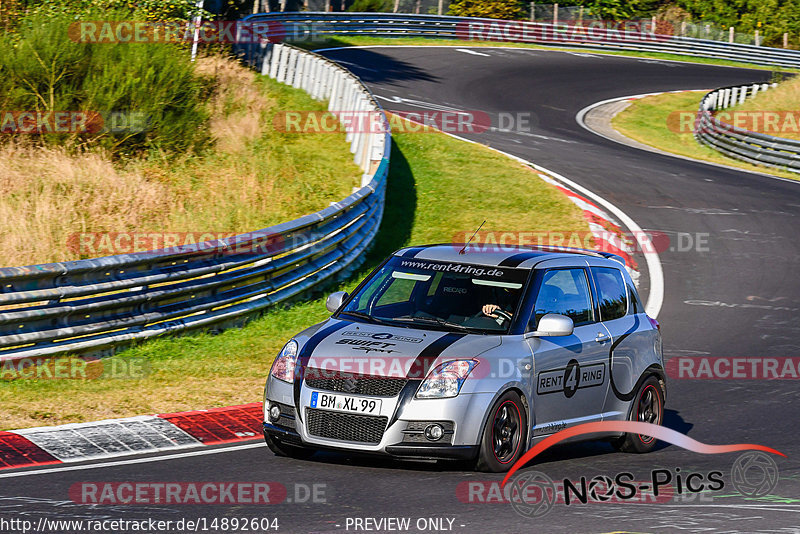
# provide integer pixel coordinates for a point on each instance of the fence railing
(632, 36)
(99, 305)
(739, 143)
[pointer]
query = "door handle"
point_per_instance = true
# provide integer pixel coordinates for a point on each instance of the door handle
(601, 337)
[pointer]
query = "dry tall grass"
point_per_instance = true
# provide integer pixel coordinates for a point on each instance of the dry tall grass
(784, 98)
(252, 178)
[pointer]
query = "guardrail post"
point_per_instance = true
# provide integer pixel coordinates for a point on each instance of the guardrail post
(758, 38)
(711, 103)
(786, 40)
(265, 62)
(314, 81)
(730, 34)
(734, 95)
(282, 63)
(350, 108)
(742, 94)
(327, 84)
(308, 72)
(277, 53)
(335, 89)
(300, 70)
(358, 134)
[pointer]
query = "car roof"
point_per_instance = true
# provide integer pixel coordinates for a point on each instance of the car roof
(505, 256)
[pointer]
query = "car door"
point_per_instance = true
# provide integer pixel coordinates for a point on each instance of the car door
(632, 335)
(570, 371)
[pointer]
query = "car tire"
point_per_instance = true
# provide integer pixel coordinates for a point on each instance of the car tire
(505, 433)
(289, 451)
(648, 407)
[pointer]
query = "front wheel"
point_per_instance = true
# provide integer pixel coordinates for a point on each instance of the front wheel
(648, 407)
(281, 449)
(504, 435)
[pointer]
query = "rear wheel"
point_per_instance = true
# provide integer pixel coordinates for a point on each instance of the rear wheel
(504, 435)
(291, 451)
(648, 407)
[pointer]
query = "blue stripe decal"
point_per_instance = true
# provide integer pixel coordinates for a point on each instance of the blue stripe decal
(516, 259)
(305, 355)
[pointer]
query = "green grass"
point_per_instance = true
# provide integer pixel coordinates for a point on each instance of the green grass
(437, 186)
(359, 40)
(648, 121)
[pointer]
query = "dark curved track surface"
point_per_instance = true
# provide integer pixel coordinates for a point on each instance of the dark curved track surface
(739, 298)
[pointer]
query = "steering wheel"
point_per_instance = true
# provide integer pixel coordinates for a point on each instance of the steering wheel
(502, 314)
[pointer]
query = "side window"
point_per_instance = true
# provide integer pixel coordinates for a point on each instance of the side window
(636, 301)
(611, 294)
(566, 292)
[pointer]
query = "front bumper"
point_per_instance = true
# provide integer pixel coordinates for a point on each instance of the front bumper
(402, 435)
(419, 451)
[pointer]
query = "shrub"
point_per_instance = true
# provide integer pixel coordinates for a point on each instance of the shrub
(371, 6)
(42, 70)
(493, 9)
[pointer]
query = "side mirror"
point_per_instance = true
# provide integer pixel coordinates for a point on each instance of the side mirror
(334, 301)
(554, 324)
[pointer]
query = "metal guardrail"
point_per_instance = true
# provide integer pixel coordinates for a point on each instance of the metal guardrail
(302, 26)
(97, 306)
(738, 143)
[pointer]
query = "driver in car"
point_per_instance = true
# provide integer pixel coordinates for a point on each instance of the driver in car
(489, 309)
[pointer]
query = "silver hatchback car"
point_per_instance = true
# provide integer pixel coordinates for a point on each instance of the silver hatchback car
(456, 354)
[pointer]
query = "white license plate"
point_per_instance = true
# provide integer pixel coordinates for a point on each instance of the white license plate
(345, 403)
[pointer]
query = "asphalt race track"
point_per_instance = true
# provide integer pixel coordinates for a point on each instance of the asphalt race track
(736, 297)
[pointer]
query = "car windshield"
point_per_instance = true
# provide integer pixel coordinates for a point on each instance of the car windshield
(440, 295)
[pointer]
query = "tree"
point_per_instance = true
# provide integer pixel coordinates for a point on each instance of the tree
(493, 9)
(371, 6)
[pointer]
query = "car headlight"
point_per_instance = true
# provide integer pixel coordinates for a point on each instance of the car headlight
(446, 379)
(284, 365)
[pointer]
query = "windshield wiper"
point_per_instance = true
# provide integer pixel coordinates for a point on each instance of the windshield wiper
(366, 317)
(434, 320)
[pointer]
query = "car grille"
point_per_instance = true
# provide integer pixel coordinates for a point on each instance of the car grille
(355, 384)
(347, 427)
